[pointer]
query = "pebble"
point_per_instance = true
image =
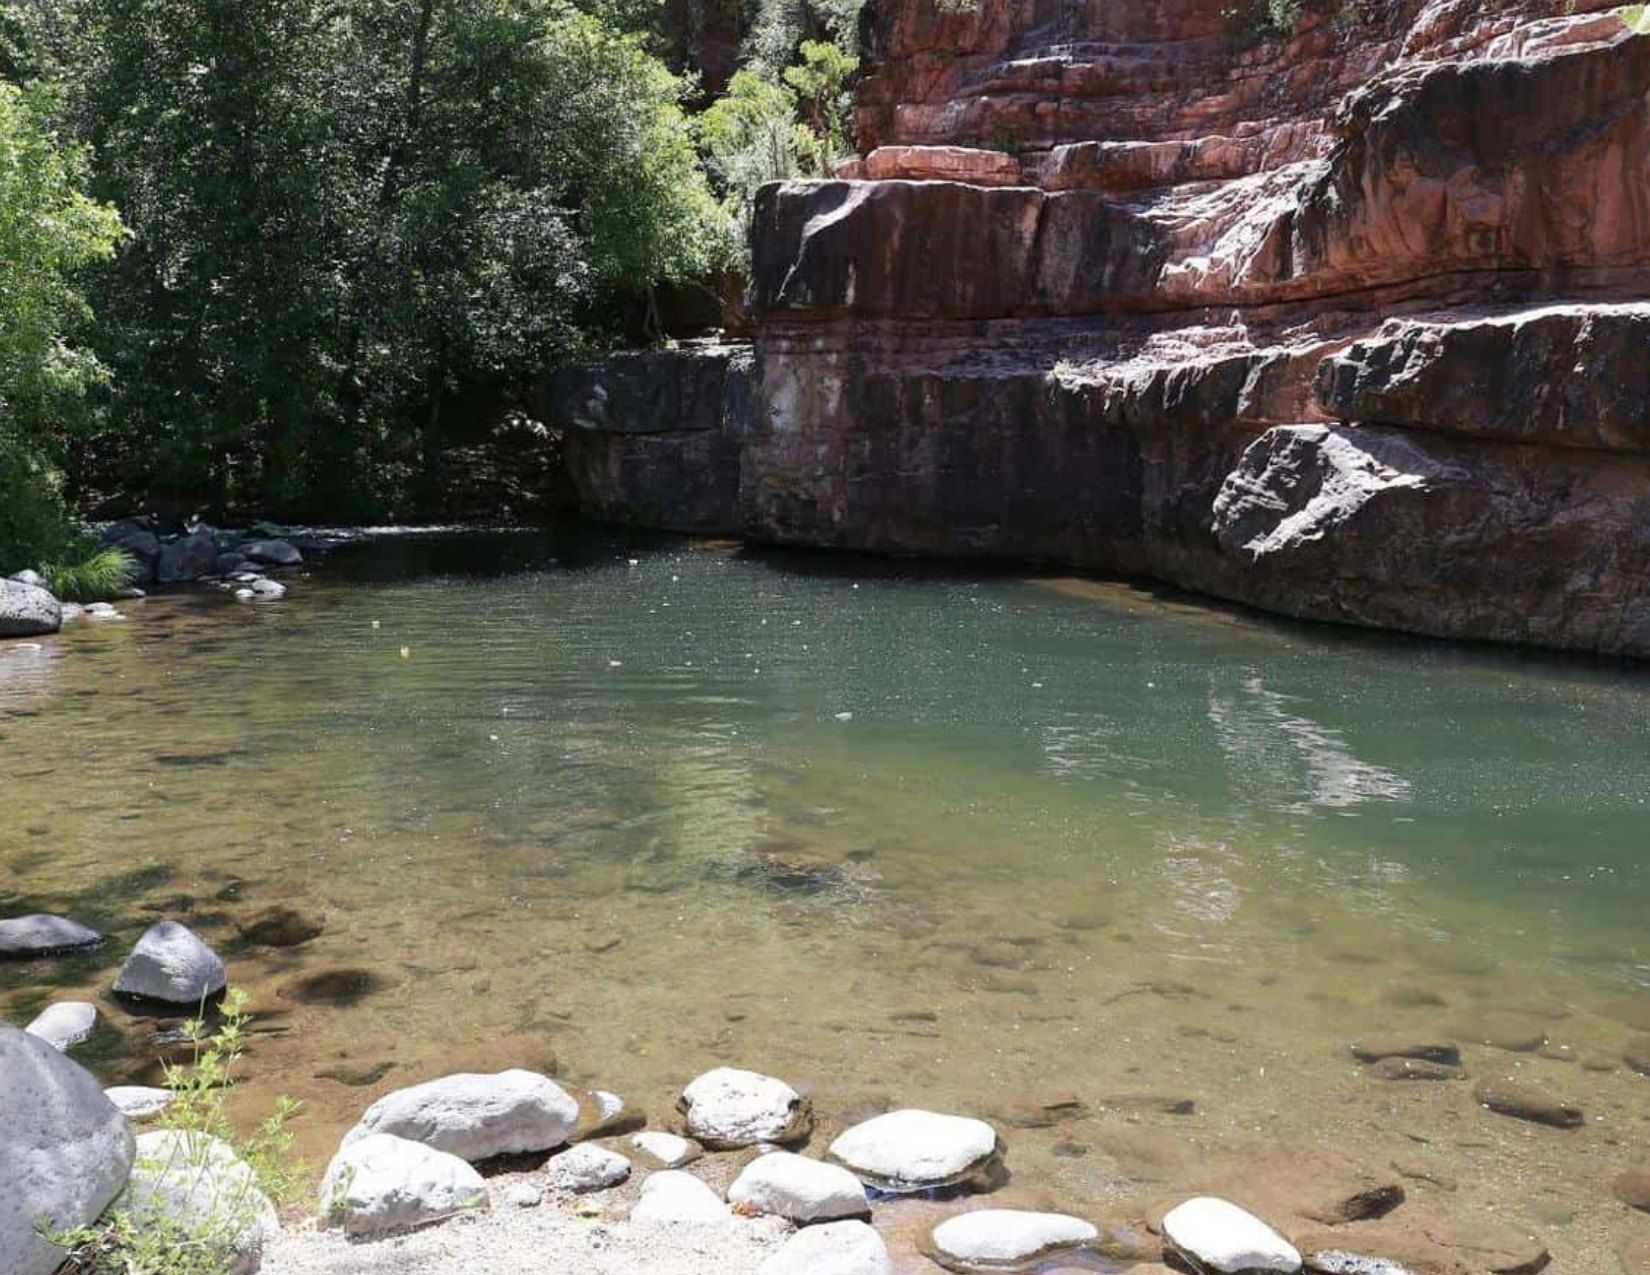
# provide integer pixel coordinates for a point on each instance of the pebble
(522, 1195)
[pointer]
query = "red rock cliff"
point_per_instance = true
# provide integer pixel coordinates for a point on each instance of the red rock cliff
(1345, 324)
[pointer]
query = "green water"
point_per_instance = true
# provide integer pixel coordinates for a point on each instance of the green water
(894, 833)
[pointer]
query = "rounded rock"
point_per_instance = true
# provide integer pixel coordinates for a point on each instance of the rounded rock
(476, 1116)
(837, 1248)
(41, 934)
(799, 1189)
(272, 553)
(195, 1182)
(170, 963)
(27, 610)
(914, 1150)
(586, 1167)
(65, 1151)
(383, 1183)
(1217, 1236)
(667, 1149)
(727, 1108)
(675, 1196)
(64, 1023)
(1006, 1238)
(139, 1102)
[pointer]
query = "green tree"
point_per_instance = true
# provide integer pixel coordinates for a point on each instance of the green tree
(50, 231)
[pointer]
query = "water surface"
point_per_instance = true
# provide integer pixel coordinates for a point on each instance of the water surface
(635, 807)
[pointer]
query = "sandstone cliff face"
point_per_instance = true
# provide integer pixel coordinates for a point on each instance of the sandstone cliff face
(1343, 324)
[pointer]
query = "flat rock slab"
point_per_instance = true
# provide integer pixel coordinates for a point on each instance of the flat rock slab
(799, 1189)
(171, 964)
(727, 1108)
(675, 1196)
(836, 1248)
(586, 1167)
(41, 934)
(64, 1150)
(476, 1116)
(915, 1150)
(1525, 1101)
(64, 1023)
(1217, 1236)
(383, 1183)
(1007, 1239)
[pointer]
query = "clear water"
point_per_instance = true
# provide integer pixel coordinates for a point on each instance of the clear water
(901, 835)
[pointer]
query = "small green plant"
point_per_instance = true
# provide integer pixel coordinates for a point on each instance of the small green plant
(143, 1241)
(98, 577)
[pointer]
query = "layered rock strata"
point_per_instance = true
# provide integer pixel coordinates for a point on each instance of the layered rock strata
(1343, 323)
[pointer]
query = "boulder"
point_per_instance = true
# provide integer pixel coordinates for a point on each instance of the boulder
(27, 610)
(40, 934)
(799, 1189)
(272, 553)
(64, 1023)
(65, 1151)
(666, 1148)
(170, 963)
(189, 557)
(837, 1248)
(139, 1102)
(675, 1196)
(1007, 1238)
(27, 576)
(140, 544)
(228, 563)
(727, 1108)
(191, 1184)
(915, 1150)
(476, 1116)
(1218, 1237)
(384, 1183)
(586, 1167)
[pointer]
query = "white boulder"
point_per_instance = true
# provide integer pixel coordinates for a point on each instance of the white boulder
(476, 1116)
(668, 1149)
(384, 1183)
(40, 934)
(728, 1108)
(1006, 1237)
(799, 1189)
(837, 1248)
(27, 610)
(1219, 1237)
(192, 1184)
(65, 1151)
(170, 963)
(586, 1167)
(915, 1150)
(139, 1102)
(674, 1196)
(64, 1023)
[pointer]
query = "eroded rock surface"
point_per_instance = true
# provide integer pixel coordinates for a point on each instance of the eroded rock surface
(1343, 322)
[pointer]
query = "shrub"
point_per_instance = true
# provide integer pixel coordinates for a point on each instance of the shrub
(98, 577)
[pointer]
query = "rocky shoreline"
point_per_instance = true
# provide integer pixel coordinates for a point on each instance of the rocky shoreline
(517, 1172)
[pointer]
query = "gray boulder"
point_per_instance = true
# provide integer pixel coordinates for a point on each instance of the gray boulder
(41, 934)
(65, 1152)
(27, 610)
(64, 1023)
(383, 1183)
(727, 1108)
(476, 1116)
(188, 557)
(170, 963)
(272, 553)
(195, 1184)
(586, 1167)
(140, 544)
(912, 1150)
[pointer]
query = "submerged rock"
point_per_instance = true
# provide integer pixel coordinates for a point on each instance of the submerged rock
(727, 1108)
(64, 1023)
(915, 1150)
(197, 1184)
(799, 1189)
(65, 1151)
(27, 610)
(1525, 1101)
(383, 1183)
(272, 553)
(170, 963)
(586, 1167)
(1415, 1069)
(280, 927)
(836, 1248)
(1376, 1048)
(675, 1196)
(603, 1114)
(1006, 1239)
(41, 934)
(476, 1116)
(1217, 1236)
